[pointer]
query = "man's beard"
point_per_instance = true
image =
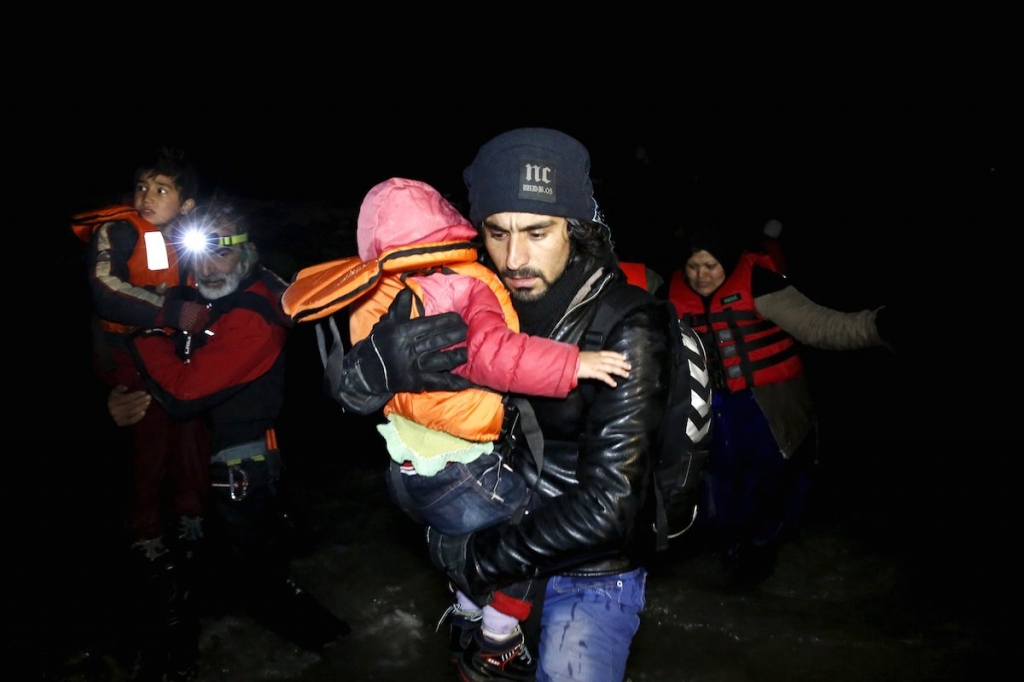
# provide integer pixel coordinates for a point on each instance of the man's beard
(229, 286)
(526, 295)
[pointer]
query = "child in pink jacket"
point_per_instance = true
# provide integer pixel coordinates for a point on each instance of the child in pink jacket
(447, 459)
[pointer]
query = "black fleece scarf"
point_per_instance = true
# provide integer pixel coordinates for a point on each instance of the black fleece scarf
(538, 318)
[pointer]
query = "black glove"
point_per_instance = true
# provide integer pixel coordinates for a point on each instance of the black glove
(403, 355)
(412, 350)
(451, 554)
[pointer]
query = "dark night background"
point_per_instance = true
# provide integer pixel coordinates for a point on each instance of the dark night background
(891, 155)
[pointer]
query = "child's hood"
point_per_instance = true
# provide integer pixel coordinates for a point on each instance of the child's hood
(399, 212)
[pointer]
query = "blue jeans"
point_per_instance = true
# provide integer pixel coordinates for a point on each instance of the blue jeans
(462, 498)
(755, 492)
(587, 625)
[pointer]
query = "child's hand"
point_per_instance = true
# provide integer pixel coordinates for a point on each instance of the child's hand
(602, 364)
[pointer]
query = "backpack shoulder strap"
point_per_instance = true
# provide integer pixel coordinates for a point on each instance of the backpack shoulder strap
(678, 455)
(612, 307)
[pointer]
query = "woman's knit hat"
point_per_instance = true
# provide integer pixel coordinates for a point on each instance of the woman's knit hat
(531, 170)
(722, 241)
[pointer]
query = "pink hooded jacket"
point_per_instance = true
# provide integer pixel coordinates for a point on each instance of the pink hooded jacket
(401, 213)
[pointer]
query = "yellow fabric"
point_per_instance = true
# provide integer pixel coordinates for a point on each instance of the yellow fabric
(429, 450)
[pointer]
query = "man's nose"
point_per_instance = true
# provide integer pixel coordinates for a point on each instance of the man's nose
(518, 253)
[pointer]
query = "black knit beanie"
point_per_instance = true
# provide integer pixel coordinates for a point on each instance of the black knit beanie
(531, 170)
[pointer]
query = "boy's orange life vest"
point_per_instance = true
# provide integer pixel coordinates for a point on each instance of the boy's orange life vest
(85, 224)
(318, 291)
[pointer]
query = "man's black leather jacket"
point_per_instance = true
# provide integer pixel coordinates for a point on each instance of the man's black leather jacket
(596, 461)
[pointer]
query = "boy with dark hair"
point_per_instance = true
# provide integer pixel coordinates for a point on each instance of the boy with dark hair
(136, 278)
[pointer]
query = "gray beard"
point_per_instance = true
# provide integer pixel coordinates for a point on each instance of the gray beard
(229, 286)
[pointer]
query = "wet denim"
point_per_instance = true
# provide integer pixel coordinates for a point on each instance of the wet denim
(587, 626)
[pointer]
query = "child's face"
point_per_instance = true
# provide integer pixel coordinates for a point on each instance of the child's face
(158, 200)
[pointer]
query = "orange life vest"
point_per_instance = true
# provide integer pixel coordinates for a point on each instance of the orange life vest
(636, 273)
(474, 414)
(751, 351)
(85, 224)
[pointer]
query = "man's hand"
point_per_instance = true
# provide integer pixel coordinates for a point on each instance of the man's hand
(451, 555)
(402, 355)
(411, 352)
(127, 408)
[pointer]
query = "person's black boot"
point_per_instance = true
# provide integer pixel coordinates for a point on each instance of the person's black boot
(181, 631)
(168, 628)
(749, 564)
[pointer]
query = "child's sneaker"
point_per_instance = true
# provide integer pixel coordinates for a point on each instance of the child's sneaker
(462, 623)
(485, 660)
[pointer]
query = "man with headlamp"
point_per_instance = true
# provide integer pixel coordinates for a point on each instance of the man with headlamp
(234, 372)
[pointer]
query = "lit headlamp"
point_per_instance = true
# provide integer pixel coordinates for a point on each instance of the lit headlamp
(197, 241)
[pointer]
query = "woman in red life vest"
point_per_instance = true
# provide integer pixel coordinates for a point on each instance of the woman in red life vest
(764, 443)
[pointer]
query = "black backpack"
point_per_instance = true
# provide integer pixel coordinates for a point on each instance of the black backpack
(686, 426)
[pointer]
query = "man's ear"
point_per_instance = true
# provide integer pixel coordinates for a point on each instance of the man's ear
(187, 206)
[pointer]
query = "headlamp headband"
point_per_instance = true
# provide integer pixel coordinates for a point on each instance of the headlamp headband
(229, 240)
(197, 241)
